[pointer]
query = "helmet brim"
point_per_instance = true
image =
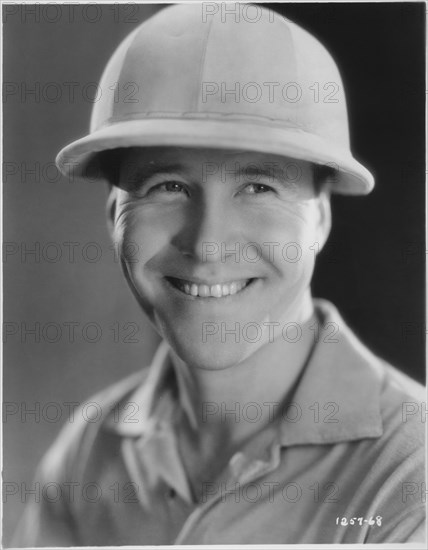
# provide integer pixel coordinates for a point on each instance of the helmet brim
(352, 178)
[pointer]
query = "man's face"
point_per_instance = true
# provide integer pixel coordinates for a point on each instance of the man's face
(218, 246)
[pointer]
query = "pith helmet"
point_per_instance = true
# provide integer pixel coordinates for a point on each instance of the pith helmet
(249, 80)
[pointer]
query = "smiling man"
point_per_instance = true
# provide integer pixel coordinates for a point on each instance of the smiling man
(262, 418)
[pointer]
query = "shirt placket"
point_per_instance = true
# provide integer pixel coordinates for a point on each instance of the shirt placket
(242, 469)
(159, 488)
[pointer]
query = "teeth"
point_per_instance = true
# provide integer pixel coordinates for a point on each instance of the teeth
(213, 291)
(203, 291)
(216, 291)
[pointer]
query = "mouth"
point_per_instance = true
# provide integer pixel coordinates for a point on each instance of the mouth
(217, 290)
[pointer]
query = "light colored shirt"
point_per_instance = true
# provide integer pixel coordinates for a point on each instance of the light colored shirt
(342, 463)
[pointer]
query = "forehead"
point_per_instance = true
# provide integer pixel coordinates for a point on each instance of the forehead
(195, 161)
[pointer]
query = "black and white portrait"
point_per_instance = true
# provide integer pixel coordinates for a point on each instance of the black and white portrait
(213, 274)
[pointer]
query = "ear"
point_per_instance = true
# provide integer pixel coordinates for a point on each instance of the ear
(324, 219)
(111, 208)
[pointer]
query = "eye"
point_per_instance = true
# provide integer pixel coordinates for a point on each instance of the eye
(168, 187)
(258, 189)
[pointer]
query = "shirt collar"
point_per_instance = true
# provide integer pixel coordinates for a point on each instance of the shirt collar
(337, 397)
(163, 392)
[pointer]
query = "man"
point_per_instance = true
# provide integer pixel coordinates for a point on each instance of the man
(262, 419)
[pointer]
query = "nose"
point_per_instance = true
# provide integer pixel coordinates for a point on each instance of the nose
(210, 233)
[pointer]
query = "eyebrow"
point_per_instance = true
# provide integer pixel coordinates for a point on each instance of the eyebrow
(135, 172)
(270, 173)
(252, 171)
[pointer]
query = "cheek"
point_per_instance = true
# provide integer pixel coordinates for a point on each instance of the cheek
(137, 239)
(286, 237)
(142, 232)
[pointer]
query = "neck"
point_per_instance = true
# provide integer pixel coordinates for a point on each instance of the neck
(232, 404)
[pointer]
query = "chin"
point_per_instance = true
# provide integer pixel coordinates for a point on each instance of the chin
(212, 355)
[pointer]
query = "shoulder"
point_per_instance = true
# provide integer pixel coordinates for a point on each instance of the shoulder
(401, 400)
(377, 401)
(393, 460)
(403, 404)
(52, 521)
(73, 445)
(398, 459)
(385, 412)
